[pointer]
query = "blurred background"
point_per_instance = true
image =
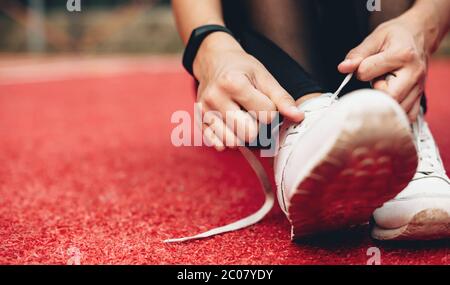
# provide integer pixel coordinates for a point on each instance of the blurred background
(103, 27)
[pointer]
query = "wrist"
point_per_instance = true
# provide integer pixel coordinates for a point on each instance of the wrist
(425, 25)
(213, 44)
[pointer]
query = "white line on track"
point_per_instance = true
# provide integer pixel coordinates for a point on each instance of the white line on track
(17, 70)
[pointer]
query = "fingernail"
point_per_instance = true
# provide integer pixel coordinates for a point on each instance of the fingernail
(294, 109)
(220, 148)
(347, 62)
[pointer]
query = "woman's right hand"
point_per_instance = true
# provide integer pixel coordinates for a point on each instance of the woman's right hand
(236, 92)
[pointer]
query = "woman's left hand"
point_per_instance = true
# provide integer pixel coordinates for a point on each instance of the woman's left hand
(395, 59)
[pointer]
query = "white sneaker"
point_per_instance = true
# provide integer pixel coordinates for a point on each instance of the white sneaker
(336, 167)
(422, 210)
(343, 161)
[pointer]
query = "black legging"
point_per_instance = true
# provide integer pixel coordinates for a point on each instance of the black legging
(298, 40)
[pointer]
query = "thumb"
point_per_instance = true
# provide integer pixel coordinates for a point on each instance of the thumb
(368, 47)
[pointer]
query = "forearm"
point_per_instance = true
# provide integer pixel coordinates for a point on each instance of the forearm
(432, 18)
(190, 14)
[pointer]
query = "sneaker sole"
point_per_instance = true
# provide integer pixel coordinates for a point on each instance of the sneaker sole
(366, 166)
(429, 224)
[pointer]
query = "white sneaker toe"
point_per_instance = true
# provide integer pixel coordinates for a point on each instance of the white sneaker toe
(422, 210)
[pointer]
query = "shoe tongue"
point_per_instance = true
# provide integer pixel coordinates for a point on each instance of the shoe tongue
(317, 103)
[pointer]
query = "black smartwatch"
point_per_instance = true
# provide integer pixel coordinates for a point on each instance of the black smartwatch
(196, 39)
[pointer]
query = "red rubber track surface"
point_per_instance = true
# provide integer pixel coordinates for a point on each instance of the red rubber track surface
(88, 174)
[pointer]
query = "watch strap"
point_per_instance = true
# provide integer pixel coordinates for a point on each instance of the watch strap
(197, 37)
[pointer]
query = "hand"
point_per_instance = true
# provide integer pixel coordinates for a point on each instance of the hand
(239, 90)
(397, 48)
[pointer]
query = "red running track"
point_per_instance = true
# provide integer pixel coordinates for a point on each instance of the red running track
(88, 175)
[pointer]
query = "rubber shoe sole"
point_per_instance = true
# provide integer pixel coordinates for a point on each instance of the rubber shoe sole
(370, 161)
(429, 224)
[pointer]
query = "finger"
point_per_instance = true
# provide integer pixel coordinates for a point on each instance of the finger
(285, 104)
(223, 135)
(378, 65)
(206, 117)
(415, 110)
(256, 103)
(241, 123)
(381, 83)
(371, 45)
(410, 100)
(211, 139)
(238, 87)
(399, 86)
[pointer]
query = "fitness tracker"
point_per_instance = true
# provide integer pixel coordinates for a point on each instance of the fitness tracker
(196, 39)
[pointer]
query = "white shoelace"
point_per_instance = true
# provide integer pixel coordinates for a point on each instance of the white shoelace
(429, 159)
(266, 186)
